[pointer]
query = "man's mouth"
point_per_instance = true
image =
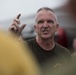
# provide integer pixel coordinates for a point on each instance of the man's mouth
(45, 31)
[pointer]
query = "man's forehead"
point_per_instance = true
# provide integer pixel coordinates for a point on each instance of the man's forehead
(45, 13)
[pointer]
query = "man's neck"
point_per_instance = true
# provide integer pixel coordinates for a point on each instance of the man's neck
(47, 44)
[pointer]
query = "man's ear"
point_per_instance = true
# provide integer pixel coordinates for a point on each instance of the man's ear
(35, 28)
(57, 26)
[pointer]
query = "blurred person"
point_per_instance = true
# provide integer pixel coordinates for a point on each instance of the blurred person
(15, 59)
(74, 44)
(74, 47)
(61, 37)
(72, 7)
(47, 51)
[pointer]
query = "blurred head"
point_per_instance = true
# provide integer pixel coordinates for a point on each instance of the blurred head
(15, 59)
(45, 23)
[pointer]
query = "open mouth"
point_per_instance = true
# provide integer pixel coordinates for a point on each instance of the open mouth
(45, 32)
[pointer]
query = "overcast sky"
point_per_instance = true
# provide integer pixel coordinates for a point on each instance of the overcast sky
(10, 8)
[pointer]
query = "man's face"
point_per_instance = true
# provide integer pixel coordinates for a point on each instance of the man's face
(46, 24)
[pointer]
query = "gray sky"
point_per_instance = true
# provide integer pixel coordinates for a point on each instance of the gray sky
(10, 8)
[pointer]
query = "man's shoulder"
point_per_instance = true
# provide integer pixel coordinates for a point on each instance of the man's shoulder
(31, 40)
(60, 46)
(62, 49)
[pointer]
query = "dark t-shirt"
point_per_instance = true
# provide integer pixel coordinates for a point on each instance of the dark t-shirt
(57, 57)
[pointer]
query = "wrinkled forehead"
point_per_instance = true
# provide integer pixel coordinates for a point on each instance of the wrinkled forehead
(46, 14)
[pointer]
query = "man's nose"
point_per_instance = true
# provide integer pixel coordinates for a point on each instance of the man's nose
(45, 24)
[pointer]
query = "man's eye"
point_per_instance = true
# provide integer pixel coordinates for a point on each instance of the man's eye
(39, 22)
(50, 21)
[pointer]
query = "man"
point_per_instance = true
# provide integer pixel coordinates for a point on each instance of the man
(44, 47)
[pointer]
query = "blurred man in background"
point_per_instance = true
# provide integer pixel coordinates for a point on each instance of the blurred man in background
(74, 43)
